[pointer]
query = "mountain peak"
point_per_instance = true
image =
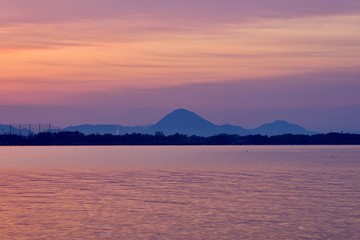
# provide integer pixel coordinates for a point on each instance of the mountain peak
(183, 112)
(179, 110)
(186, 122)
(183, 117)
(182, 121)
(281, 122)
(280, 127)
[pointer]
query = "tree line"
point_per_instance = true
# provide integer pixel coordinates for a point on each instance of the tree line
(77, 138)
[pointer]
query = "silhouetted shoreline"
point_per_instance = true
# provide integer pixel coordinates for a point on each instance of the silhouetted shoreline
(77, 139)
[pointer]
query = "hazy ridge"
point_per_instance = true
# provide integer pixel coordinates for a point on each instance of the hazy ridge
(186, 122)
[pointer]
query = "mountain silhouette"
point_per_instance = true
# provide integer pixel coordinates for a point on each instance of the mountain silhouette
(280, 127)
(186, 122)
(183, 118)
(94, 129)
(182, 121)
(113, 129)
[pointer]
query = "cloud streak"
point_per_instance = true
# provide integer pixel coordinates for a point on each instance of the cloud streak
(210, 10)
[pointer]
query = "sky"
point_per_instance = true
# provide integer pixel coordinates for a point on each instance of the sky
(130, 62)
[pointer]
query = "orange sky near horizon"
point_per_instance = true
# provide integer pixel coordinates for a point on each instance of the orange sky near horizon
(90, 55)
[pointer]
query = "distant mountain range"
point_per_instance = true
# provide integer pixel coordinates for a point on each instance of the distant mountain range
(26, 129)
(186, 122)
(5, 129)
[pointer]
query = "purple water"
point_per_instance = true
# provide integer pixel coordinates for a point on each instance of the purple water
(286, 192)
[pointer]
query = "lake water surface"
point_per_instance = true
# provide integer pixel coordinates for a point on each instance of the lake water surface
(202, 192)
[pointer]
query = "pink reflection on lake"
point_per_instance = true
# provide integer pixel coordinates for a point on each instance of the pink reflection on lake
(179, 192)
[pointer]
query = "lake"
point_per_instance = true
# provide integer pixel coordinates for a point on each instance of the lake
(195, 192)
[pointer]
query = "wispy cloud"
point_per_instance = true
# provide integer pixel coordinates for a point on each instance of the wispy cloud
(227, 10)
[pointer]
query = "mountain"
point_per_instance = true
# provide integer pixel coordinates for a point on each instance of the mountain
(106, 129)
(189, 123)
(186, 122)
(280, 127)
(5, 129)
(94, 129)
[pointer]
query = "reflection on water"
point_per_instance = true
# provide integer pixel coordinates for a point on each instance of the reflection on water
(180, 193)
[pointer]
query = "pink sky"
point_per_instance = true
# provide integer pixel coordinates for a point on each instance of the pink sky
(130, 62)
